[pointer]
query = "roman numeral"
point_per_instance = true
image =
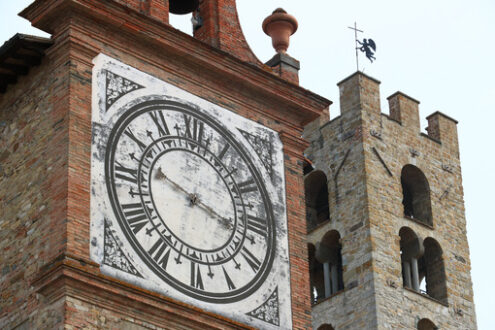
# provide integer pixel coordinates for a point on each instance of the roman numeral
(130, 134)
(135, 215)
(177, 260)
(230, 284)
(196, 280)
(160, 122)
(247, 186)
(210, 274)
(160, 252)
(134, 193)
(124, 173)
(251, 259)
(223, 152)
(257, 225)
(196, 131)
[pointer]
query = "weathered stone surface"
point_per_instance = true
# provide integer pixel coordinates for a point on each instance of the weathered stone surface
(368, 190)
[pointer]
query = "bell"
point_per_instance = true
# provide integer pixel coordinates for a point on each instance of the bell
(183, 6)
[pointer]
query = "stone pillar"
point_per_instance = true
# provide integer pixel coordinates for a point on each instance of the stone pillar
(407, 274)
(335, 278)
(360, 99)
(326, 277)
(415, 274)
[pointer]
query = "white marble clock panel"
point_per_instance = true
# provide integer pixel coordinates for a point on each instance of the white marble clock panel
(188, 198)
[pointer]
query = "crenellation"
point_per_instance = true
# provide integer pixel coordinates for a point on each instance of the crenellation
(404, 109)
(366, 100)
(444, 129)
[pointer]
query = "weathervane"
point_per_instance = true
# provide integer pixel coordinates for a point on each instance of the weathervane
(368, 46)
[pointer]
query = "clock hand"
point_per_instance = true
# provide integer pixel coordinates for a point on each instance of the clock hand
(160, 175)
(226, 222)
(194, 199)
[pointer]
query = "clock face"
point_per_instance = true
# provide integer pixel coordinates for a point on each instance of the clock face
(188, 198)
(190, 201)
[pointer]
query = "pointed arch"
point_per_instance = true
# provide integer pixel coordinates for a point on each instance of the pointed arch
(316, 276)
(317, 206)
(432, 269)
(416, 194)
(329, 254)
(426, 324)
(411, 250)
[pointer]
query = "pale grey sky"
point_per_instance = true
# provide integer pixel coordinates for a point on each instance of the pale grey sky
(438, 52)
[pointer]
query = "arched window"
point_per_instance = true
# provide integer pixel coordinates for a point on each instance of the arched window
(416, 194)
(425, 324)
(316, 279)
(325, 327)
(432, 270)
(329, 254)
(316, 189)
(307, 166)
(410, 251)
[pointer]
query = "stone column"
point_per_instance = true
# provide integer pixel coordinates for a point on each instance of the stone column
(326, 276)
(335, 279)
(407, 274)
(415, 274)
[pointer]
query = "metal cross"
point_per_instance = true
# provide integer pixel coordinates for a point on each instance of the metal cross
(356, 30)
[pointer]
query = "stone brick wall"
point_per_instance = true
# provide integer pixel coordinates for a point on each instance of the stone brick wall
(337, 150)
(33, 191)
(384, 145)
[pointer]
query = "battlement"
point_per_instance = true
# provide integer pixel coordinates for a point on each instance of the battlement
(360, 100)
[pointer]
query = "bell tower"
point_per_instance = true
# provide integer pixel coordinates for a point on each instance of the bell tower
(386, 227)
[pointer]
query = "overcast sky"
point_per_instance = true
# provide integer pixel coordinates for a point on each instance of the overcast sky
(440, 52)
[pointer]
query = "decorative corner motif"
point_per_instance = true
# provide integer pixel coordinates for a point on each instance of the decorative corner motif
(113, 255)
(263, 149)
(116, 87)
(269, 310)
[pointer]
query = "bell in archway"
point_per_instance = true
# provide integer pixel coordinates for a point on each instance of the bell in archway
(183, 6)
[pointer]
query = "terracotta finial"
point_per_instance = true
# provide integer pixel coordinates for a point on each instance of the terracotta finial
(280, 26)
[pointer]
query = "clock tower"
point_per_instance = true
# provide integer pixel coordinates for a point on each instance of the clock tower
(159, 182)
(150, 179)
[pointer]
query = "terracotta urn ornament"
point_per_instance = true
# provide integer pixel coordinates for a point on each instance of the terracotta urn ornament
(280, 26)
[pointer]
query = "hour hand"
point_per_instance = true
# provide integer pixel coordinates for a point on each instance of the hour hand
(193, 198)
(161, 176)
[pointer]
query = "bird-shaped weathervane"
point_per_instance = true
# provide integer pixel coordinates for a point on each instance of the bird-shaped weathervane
(368, 46)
